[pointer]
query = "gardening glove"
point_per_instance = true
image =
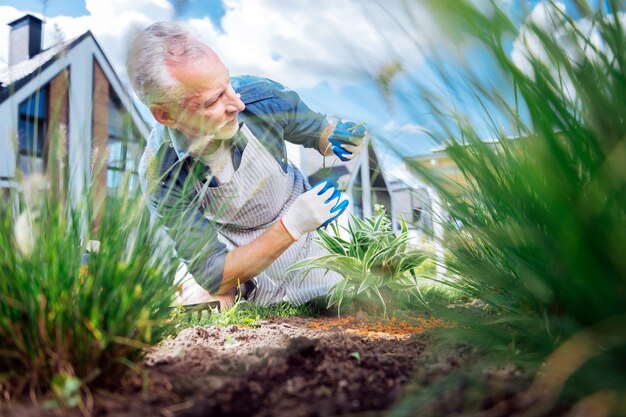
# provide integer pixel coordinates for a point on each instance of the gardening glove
(347, 139)
(313, 209)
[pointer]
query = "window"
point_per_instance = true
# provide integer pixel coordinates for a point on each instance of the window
(32, 127)
(124, 147)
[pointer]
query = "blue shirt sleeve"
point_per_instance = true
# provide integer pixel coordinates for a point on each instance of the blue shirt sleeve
(195, 238)
(273, 103)
(301, 124)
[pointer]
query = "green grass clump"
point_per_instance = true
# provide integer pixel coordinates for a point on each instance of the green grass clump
(544, 216)
(244, 314)
(65, 324)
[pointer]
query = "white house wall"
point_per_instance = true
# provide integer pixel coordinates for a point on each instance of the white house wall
(79, 59)
(80, 111)
(120, 90)
(8, 114)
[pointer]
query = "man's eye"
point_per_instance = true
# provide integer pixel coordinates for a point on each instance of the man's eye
(210, 103)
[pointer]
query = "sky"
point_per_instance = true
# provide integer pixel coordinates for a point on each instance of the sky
(331, 52)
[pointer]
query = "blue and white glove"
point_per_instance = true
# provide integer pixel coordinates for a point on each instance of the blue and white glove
(313, 209)
(347, 139)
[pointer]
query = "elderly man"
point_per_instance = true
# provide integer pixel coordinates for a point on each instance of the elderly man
(216, 173)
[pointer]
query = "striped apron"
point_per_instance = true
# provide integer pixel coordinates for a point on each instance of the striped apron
(257, 196)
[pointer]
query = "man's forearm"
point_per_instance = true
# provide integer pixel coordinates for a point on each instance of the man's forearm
(247, 261)
(325, 147)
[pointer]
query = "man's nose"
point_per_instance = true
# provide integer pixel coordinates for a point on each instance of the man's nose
(235, 101)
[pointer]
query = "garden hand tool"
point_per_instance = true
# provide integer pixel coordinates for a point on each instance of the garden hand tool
(190, 296)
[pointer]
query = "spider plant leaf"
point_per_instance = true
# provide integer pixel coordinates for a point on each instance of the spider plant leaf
(371, 279)
(382, 300)
(368, 256)
(338, 292)
(361, 224)
(335, 227)
(311, 263)
(412, 259)
(378, 221)
(334, 244)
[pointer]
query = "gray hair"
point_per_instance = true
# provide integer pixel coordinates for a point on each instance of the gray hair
(148, 57)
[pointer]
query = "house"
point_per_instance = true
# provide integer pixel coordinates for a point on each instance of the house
(72, 91)
(441, 164)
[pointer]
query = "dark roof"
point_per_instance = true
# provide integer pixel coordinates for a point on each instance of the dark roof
(18, 21)
(16, 76)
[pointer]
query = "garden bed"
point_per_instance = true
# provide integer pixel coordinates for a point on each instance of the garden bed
(285, 366)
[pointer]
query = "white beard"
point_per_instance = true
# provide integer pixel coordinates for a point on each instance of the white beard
(201, 144)
(227, 132)
(206, 144)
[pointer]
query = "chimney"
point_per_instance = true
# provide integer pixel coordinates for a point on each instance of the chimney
(25, 39)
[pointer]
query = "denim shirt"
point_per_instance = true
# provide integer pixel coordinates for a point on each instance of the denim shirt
(169, 174)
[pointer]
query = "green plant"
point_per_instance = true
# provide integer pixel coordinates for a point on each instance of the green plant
(66, 390)
(375, 264)
(242, 313)
(63, 319)
(544, 215)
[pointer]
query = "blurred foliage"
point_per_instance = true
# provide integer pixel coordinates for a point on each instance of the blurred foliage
(71, 313)
(385, 77)
(543, 215)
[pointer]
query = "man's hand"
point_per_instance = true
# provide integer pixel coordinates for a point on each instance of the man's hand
(317, 207)
(347, 139)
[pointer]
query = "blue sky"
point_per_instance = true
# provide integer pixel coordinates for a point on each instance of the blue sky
(330, 52)
(213, 8)
(52, 8)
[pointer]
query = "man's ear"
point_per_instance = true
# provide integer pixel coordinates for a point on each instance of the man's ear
(163, 115)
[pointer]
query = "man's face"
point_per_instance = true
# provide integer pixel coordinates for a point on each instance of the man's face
(209, 107)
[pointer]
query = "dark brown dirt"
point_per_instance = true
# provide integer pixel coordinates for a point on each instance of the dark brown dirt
(301, 367)
(281, 368)
(286, 367)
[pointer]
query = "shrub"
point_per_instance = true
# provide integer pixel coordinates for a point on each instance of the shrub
(375, 264)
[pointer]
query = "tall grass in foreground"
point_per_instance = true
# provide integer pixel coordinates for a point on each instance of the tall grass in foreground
(544, 216)
(63, 327)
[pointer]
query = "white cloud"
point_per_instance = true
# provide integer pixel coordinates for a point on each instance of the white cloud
(109, 25)
(301, 44)
(548, 19)
(298, 43)
(527, 46)
(579, 40)
(116, 9)
(393, 126)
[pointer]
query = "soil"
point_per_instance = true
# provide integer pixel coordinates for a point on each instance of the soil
(292, 367)
(286, 367)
